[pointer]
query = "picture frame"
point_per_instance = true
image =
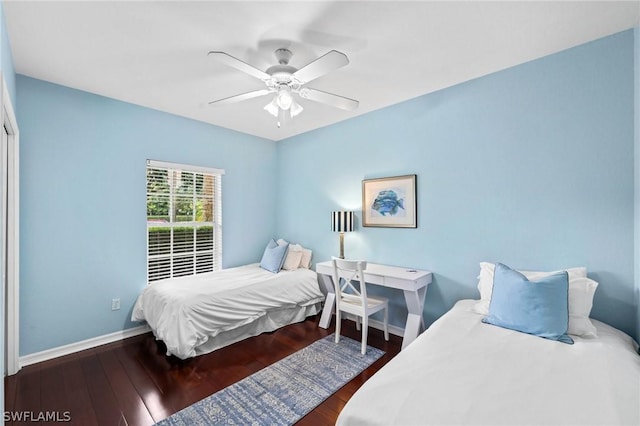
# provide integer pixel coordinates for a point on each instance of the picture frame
(390, 202)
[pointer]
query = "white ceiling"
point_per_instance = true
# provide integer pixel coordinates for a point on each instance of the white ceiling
(154, 53)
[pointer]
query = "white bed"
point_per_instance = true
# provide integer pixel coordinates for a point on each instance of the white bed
(198, 314)
(462, 371)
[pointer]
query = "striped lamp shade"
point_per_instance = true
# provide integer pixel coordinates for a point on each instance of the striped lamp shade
(342, 221)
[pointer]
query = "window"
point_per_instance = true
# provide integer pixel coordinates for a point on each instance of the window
(184, 220)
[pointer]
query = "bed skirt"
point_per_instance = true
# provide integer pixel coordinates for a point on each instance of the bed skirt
(271, 321)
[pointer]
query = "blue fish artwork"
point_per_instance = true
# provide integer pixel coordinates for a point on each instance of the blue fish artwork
(387, 203)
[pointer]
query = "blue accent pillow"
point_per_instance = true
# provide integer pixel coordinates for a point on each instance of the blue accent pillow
(537, 307)
(273, 256)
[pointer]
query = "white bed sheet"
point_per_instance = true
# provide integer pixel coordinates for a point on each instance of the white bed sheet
(186, 312)
(461, 371)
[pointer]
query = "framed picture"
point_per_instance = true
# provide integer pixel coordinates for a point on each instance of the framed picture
(390, 202)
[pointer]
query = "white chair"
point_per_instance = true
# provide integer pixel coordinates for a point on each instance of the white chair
(356, 301)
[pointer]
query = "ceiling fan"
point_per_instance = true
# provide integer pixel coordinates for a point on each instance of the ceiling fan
(285, 80)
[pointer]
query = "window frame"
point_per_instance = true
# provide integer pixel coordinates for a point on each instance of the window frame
(216, 221)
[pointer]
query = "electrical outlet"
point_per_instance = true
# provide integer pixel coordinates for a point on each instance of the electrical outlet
(115, 304)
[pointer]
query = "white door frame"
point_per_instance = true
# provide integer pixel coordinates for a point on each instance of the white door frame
(12, 304)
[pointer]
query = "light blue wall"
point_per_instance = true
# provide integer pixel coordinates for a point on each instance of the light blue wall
(83, 210)
(532, 166)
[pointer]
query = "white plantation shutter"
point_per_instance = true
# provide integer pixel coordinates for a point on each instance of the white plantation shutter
(184, 220)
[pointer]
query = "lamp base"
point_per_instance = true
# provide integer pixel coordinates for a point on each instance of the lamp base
(342, 245)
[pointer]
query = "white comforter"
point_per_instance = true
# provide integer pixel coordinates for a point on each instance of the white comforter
(461, 371)
(185, 312)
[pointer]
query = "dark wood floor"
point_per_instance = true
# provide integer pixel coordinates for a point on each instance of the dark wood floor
(132, 382)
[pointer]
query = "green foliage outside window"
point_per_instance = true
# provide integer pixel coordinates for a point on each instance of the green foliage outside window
(193, 193)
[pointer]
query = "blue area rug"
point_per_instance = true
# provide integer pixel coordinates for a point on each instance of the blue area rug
(282, 393)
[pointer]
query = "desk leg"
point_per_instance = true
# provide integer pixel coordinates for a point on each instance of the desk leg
(330, 301)
(415, 320)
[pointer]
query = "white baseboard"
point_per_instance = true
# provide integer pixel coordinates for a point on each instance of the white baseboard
(393, 329)
(81, 346)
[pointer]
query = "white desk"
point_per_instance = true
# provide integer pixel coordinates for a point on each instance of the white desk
(412, 282)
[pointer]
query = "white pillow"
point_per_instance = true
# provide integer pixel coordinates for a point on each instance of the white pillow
(294, 255)
(305, 262)
(581, 291)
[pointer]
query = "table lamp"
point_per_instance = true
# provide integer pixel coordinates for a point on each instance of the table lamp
(342, 221)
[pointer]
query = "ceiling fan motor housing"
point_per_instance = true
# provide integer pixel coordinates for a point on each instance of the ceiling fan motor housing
(283, 55)
(282, 73)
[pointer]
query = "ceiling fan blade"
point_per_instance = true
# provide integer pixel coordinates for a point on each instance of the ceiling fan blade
(241, 97)
(324, 64)
(329, 99)
(227, 59)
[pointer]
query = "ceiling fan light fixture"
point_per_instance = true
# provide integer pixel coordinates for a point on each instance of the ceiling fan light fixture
(295, 109)
(272, 107)
(282, 114)
(284, 98)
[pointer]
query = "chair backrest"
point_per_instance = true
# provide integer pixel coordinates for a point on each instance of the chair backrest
(349, 271)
